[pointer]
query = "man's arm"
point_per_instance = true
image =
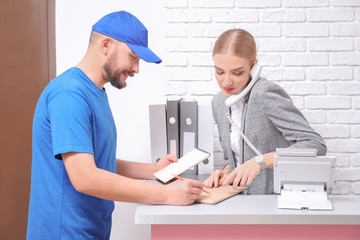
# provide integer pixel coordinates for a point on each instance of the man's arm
(135, 170)
(88, 179)
(142, 170)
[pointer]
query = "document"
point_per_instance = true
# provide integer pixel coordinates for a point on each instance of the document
(304, 200)
(218, 194)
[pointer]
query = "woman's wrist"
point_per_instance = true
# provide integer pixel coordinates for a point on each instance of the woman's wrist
(261, 161)
(269, 159)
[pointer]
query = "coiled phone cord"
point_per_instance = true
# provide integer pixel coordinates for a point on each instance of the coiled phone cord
(243, 135)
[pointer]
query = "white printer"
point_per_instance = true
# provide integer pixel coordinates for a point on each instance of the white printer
(303, 179)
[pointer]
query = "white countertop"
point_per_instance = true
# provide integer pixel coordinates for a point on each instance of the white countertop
(251, 209)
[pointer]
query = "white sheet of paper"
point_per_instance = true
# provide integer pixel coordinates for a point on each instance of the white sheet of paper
(186, 162)
(304, 200)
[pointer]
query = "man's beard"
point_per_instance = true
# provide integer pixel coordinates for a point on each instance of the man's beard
(113, 77)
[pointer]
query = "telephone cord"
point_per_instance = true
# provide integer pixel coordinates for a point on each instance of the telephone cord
(232, 122)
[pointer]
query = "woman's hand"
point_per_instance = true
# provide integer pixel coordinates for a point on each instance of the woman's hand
(243, 175)
(217, 177)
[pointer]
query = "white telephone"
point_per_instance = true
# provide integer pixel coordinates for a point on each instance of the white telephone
(254, 73)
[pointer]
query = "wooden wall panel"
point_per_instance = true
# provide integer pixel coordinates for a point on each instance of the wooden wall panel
(27, 60)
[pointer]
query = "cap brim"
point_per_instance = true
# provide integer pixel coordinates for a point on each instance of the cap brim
(145, 53)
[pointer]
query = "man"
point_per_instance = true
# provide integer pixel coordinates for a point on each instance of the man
(75, 173)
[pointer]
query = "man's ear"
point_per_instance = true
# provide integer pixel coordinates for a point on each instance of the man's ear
(105, 45)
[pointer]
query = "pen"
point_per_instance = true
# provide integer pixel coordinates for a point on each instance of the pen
(180, 178)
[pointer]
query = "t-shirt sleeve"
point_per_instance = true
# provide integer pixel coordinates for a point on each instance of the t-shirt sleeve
(70, 121)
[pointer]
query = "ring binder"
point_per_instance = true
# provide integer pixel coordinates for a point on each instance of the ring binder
(188, 129)
(172, 123)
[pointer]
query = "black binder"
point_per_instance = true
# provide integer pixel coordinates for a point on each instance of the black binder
(188, 129)
(172, 126)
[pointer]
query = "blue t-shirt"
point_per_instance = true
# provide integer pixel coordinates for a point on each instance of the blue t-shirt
(72, 115)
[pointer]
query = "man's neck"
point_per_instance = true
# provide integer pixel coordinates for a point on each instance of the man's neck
(92, 69)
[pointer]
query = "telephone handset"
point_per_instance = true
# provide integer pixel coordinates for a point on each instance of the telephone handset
(254, 73)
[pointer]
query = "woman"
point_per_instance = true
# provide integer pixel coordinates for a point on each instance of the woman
(265, 114)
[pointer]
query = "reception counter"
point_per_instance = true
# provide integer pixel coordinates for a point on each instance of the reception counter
(252, 217)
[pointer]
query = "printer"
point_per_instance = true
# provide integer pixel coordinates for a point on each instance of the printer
(303, 179)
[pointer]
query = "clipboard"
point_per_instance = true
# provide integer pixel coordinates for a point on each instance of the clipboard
(186, 162)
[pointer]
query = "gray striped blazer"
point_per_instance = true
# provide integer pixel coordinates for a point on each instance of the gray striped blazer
(270, 120)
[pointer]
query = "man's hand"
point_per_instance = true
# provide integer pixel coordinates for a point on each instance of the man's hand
(164, 161)
(217, 177)
(243, 174)
(183, 192)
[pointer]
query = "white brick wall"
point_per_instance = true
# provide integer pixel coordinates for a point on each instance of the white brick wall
(311, 48)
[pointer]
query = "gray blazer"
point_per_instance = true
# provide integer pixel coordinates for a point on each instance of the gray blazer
(270, 120)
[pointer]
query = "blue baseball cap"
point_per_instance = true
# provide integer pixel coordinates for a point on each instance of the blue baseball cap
(126, 28)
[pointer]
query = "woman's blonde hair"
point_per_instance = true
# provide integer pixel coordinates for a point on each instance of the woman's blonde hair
(238, 42)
